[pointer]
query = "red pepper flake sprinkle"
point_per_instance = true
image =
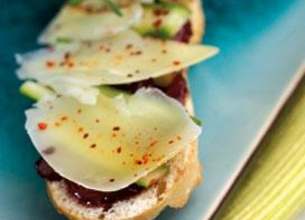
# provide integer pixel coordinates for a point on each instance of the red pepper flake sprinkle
(119, 150)
(64, 118)
(70, 64)
(139, 162)
(49, 150)
(171, 142)
(67, 56)
(86, 135)
(92, 145)
(116, 128)
(176, 62)
(128, 46)
(157, 23)
(112, 180)
(160, 12)
(153, 143)
(42, 126)
(50, 64)
(145, 159)
(139, 52)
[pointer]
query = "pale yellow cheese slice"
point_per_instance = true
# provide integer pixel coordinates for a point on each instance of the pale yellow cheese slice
(76, 23)
(125, 58)
(111, 145)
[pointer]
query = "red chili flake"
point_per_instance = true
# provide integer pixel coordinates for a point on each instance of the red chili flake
(89, 9)
(128, 46)
(139, 52)
(171, 142)
(50, 64)
(157, 23)
(160, 11)
(49, 150)
(92, 145)
(101, 47)
(145, 159)
(42, 125)
(153, 143)
(86, 135)
(139, 162)
(119, 150)
(111, 180)
(64, 118)
(116, 128)
(70, 64)
(67, 56)
(176, 62)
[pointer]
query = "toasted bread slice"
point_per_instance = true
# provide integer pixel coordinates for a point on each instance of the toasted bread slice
(173, 190)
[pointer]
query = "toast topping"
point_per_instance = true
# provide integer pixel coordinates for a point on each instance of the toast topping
(124, 146)
(109, 62)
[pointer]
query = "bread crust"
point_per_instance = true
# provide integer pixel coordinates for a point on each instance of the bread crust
(187, 175)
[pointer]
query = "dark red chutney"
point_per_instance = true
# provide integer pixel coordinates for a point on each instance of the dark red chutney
(185, 33)
(88, 197)
(177, 89)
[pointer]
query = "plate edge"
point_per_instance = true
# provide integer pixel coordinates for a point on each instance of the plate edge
(288, 91)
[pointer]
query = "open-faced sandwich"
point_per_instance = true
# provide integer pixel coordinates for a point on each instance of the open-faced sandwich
(113, 119)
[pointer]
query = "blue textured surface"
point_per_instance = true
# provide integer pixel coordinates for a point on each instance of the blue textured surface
(262, 44)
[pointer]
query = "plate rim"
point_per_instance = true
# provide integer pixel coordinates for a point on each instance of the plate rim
(288, 91)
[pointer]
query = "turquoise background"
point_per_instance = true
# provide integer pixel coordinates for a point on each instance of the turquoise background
(262, 44)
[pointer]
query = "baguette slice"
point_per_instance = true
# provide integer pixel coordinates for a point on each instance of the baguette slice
(173, 190)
